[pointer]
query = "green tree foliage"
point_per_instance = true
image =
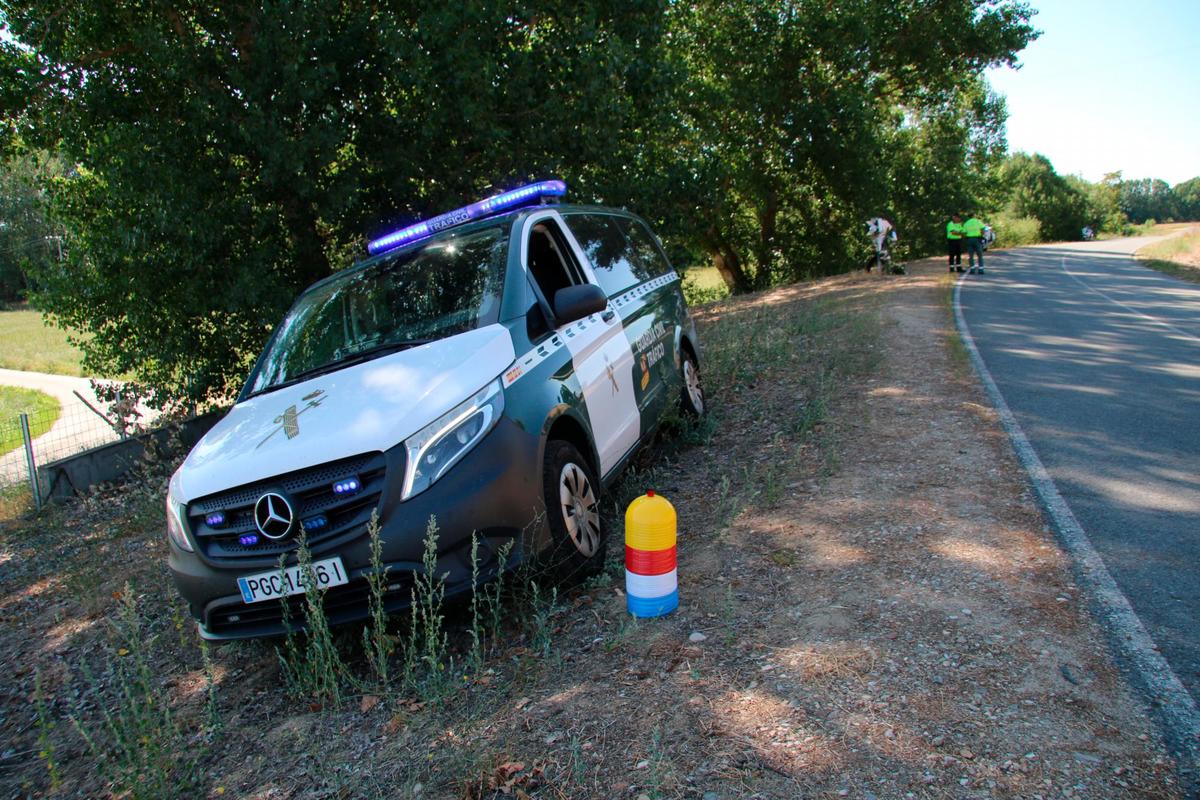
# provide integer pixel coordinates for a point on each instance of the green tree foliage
(231, 154)
(228, 155)
(1187, 199)
(940, 161)
(1103, 202)
(29, 243)
(1148, 198)
(797, 119)
(1030, 188)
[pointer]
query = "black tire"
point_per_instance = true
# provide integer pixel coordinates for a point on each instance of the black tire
(572, 496)
(691, 399)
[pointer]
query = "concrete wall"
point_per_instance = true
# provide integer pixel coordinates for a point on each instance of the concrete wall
(75, 475)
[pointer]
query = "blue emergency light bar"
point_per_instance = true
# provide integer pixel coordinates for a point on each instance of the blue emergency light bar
(484, 208)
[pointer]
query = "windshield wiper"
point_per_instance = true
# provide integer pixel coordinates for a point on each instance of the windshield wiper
(360, 356)
(332, 366)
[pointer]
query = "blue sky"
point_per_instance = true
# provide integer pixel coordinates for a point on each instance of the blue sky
(1109, 86)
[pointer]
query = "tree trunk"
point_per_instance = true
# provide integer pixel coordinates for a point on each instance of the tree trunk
(768, 214)
(727, 262)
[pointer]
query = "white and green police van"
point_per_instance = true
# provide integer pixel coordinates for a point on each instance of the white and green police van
(493, 368)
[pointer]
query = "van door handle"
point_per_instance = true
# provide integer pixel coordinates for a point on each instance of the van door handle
(608, 315)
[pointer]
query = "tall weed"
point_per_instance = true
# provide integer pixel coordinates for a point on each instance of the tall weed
(139, 744)
(312, 667)
(45, 726)
(427, 645)
(378, 646)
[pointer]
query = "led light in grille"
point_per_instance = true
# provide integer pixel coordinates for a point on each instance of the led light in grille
(248, 540)
(215, 520)
(316, 523)
(347, 486)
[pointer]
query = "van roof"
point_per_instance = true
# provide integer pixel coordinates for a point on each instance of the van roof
(475, 224)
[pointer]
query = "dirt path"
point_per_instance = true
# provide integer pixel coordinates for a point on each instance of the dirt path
(871, 608)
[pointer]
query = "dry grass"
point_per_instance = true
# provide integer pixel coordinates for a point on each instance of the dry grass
(1178, 256)
(28, 343)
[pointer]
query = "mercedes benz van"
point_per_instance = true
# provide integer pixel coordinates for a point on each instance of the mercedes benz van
(492, 369)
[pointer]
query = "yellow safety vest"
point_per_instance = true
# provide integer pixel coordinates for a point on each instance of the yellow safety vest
(954, 230)
(973, 228)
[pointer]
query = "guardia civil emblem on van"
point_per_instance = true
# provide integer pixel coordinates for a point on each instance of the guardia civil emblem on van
(288, 421)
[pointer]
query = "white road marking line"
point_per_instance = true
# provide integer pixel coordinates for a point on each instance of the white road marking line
(1114, 301)
(1163, 691)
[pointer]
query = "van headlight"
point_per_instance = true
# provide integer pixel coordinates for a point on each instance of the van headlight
(440, 444)
(176, 528)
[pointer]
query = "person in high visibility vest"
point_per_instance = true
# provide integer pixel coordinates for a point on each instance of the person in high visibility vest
(954, 237)
(973, 238)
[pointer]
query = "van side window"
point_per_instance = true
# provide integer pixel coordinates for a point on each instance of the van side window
(536, 324)
(550, 262)
(646, 250)
(607, 247)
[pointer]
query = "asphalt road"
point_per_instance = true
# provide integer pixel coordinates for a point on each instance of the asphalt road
(1099, 360)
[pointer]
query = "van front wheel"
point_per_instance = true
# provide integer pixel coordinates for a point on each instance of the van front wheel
(573, 510)
(693, 392)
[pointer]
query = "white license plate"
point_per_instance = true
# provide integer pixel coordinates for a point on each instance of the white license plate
(281, 583)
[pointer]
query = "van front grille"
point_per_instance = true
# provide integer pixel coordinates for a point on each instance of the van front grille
(325, 514)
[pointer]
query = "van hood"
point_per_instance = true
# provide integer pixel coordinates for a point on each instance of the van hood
(364, 408)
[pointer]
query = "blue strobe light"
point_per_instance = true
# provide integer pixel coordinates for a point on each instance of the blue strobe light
(484, 208)
(347, 486)
(315, 523)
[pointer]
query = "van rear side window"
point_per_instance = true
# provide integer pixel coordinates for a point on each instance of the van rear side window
(612, 255)
(646, 252)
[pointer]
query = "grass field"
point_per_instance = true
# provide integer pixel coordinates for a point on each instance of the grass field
(1178, 256)
(43, 411)
(27, 343)
(704, 285)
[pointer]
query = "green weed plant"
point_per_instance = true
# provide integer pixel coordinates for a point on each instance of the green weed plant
(140, 745)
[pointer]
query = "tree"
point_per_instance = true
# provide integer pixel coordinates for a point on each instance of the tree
(1147, 198)
(229, 155)
(1187, 196)
(1029, 187)
(29, 243)
(940, 161)
(1104, 204)
(796, 118)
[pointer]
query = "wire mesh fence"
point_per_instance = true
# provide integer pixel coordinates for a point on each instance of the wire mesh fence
(79, 425)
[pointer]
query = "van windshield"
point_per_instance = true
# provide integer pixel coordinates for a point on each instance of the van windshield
(450, 285)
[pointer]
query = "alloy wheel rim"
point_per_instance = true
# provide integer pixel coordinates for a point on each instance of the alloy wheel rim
(580, 511)
(691, 378)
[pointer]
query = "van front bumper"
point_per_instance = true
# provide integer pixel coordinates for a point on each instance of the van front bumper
(494, 492)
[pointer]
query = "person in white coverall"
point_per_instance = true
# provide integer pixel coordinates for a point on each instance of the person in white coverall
(882, 233)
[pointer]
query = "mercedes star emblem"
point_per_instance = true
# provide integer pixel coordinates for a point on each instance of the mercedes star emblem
(273, 516)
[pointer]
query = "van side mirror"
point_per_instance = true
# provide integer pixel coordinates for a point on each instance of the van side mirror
(576, 302)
